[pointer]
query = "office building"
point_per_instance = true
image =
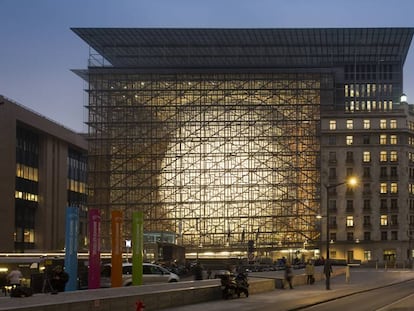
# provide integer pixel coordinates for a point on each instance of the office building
(215, 134)
(44, 170)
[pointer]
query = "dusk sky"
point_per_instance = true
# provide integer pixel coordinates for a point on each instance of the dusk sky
(38, 49)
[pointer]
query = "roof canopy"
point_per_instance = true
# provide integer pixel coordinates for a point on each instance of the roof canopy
(232, 47)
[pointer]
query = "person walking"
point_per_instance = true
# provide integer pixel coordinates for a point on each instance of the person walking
(289, 275)
(310, 272)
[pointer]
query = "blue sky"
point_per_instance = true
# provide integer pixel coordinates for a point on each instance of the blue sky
(38, 49)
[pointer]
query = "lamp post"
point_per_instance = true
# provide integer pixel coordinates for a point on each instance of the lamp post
(352, 181)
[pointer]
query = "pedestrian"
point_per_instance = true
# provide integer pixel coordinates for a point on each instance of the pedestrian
(209, 273)
(14, 277)
(289, 275)
(347, 274)
(310, 271)
(59, 279)
(198, 271)
(327, 269)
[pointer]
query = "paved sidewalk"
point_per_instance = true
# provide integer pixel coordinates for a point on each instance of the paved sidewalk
(361, 280)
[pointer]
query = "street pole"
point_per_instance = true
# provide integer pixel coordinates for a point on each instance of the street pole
(327, 263)
(352, 181)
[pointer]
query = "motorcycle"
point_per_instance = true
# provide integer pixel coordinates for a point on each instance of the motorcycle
(234, 286)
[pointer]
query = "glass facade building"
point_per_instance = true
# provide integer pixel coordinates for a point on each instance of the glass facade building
(215, 133)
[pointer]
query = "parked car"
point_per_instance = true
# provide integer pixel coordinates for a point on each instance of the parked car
(151, 274)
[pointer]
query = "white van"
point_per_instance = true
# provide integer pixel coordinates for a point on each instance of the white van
(151, 274)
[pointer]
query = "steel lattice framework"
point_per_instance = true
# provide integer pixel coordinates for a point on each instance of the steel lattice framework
(218, 159)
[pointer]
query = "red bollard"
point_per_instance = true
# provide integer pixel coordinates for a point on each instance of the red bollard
(140, 305)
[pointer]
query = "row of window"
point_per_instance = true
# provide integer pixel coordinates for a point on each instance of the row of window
(384, 220)
(384, 139)
(367, 90)
(27, 172)
(351, 106)
(26, 196)
(384, 156)
(366, 124)
(367, 236)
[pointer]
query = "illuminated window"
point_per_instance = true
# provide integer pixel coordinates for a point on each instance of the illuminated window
(384, 220)
(383, 156)
(393, 139)
(349, 221)
(349, 124)
(383, 124)
(394, 188)
(332, 125)
(29, 236)
(383, 139)
(393, 156)
(383, 188)
(367, 254)
(366, 157)
(349, 140)
(393, 124)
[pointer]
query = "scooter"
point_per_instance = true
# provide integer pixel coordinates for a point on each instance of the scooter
(234, 286)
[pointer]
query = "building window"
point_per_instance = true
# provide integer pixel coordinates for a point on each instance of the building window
(394, 235)
(349, 221)
(366, 156)
(332, 156)
(350, 236)
(383, 171)
(394, 220)
(367, 237)
(383, 188)
(383, 204)
(394, 188)
(332, 140)
(332, 236)
(365, 139)
(384, 236)
(383, 139)
(367, 189)
(393, 124)
(367, 220)
(367, 205)
(332, 172)
(393, 156)
(349, 205)
(367, 172)
(383, 220)
(383, 156)
(349, 156)
(367, 124)
(349, 172)
(332, 125)
(394, 171)
(394, 204)
(349, 140)
(393, 139)
(383, 124)
(349, 124)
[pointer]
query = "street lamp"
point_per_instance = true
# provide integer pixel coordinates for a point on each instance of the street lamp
(352, 182)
